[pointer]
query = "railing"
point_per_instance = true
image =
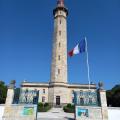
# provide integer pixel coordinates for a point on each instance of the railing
(26, 97)
(86, 98)
(16, 96)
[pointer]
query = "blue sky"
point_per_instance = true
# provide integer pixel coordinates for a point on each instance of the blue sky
(26, 32)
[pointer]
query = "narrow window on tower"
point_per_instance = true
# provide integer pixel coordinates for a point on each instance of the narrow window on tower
(58, 71)
(60, 21)
(59, 57)
(59, 44)
(60, 33)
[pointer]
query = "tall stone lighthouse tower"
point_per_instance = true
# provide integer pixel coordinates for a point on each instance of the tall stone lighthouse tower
(58, 89)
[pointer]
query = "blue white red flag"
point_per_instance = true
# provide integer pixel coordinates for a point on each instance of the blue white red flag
(79, 48)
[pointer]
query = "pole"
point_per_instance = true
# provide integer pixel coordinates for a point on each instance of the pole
(88, 68)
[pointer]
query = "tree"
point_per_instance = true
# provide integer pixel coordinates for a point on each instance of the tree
(113, 96)
(3, 92)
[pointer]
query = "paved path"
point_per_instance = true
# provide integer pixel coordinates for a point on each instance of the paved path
(55, 114)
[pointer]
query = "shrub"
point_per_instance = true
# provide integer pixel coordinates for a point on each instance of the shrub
(46, 104)
(40, 104)
(43, 107)
(69, 105)
(69, 108)
(65, 108)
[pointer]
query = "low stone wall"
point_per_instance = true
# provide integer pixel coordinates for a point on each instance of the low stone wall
(114, 113)
(1, 111)
(17, 112)
(20, 112)
(88, 113)
(96, 113)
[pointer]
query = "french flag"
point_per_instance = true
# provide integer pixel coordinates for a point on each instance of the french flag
(79, 48)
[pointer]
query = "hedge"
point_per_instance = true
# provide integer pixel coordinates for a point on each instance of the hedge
(43, 107)
(69, 108)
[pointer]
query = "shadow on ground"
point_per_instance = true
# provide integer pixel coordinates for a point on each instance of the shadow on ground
(69, 118)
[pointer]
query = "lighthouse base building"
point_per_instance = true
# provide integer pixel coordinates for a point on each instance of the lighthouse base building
(59, 94)
(58, 91)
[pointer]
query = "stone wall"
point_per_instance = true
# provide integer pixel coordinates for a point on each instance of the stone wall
(92, 113)
(20, 112)
(113, 113)
(59, 91)
(1, 111)
(95, 113)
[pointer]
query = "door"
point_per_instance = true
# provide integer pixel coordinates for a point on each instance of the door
(57, 100)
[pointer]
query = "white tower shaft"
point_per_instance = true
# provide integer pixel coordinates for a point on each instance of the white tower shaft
(59, 52)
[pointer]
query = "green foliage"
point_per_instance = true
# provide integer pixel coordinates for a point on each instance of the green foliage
(40, 104)
(43, 107)
(46, 104)
(69, 108)
(3, 92)
(113, 96)
(69, 105)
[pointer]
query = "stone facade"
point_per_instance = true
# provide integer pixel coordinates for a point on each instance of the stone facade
(10, 94)
(58, 82)
(103, 102)
(59, 51)
(65, 91)
(15, 112)
(94, 113)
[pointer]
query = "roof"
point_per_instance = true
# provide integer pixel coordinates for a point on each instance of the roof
(75, 85)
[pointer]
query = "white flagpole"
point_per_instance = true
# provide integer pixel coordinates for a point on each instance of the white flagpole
(88, 68)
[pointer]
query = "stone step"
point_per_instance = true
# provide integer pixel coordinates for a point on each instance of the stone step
(55, 119)
(58, 106)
